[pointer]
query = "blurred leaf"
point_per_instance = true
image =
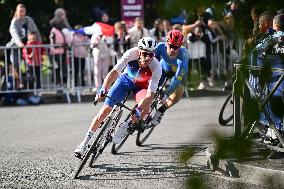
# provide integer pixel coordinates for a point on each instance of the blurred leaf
(251, 110)
(186, 154)
(238, 148)
(196, 181)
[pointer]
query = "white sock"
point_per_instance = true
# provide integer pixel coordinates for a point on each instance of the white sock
(88, 136)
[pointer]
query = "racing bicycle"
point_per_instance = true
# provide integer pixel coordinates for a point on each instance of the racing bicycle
(103, 135)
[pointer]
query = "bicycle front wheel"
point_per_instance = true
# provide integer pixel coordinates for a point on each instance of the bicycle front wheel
(93, 149)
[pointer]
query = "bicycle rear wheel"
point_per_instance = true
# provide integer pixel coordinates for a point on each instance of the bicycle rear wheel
(93, 149)
(116, 147)
(226, 112)
(147, 130)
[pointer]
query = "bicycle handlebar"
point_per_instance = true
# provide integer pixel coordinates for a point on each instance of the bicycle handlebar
(116, 102)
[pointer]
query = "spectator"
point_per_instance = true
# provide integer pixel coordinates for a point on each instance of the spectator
(255, 13)
(14, 98)
(81, 50)
(230, 47)
(189, 27)
(273, 47)
(137, 32)
(156, 24)
(20, 25)
(167, 25)
(265, 29)
(105, 18)
(197, 52)
(59, 25)
(177, 27)
(158, 31)
(60, 19)
(102, 58)
(33, 58)
(121, 39)
(232, 8)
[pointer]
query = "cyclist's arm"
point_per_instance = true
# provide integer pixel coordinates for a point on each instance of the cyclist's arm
(181, 71)
(110, 79)
(118, 68)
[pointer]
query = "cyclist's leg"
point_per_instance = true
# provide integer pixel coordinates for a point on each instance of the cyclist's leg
(173, 99)
(139, 96)
(123, 128)
(118, 92)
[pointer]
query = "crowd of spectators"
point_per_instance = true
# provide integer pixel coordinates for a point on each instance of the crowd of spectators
(202, 36)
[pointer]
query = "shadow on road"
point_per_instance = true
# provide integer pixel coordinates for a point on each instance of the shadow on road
(169, 167)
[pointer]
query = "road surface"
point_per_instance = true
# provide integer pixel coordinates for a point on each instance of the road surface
(37, 144)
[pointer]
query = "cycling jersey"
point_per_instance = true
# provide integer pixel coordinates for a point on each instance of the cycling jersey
(134, 78)
(178, 65)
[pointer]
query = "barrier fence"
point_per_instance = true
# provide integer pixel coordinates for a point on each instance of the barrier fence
(268, 95)
(43, 68)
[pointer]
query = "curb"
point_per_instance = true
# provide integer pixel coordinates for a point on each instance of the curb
(256, 169)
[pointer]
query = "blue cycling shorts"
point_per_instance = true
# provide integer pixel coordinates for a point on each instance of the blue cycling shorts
(120, 89)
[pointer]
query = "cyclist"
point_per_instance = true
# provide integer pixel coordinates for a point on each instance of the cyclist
(142, 71)
(174, 61)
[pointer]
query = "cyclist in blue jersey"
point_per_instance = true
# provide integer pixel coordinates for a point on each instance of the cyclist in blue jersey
(174, 61)
(141, 75)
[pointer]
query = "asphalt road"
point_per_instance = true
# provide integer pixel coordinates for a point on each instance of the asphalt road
(37, 146)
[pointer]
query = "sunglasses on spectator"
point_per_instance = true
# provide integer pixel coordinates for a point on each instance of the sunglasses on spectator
(145, 54)
(173, 46)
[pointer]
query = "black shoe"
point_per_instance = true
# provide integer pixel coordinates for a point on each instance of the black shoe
(140, 126)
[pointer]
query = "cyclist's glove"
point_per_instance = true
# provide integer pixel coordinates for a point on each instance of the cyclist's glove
(102, 92)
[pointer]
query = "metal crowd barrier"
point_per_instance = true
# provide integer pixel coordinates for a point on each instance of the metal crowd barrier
(56, 72)
(262, 95)
(222, 54)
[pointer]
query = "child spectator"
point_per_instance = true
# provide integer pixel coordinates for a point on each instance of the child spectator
(33, 58)
(81, 51)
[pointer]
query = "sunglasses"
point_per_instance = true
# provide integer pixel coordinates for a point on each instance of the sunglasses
(145, 54)
(173, 46)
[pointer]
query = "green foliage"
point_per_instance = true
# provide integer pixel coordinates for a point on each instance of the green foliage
(186, 154)
(196, 181)
(235, 147)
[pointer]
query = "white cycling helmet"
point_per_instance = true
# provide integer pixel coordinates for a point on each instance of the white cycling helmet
(147, 44)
